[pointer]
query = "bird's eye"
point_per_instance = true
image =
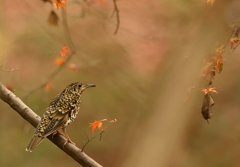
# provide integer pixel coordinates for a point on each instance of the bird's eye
(79, 86)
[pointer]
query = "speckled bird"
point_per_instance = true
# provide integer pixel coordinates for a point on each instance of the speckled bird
(61, 112)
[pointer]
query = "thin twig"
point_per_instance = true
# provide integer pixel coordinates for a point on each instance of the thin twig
(231, 34)
(85, 134)
(31, 117)
(90, 139)
(116, 10)
(67, 32)
(228, 40)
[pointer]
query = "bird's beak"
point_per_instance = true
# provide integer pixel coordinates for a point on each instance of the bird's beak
(90, 85)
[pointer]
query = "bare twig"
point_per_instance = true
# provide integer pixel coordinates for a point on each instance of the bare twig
(67, 32)
(90, 139)
(30, 116)
(116, 10)
(228, 39)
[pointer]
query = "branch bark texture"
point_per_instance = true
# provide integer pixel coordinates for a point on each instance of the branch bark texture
(25, 112)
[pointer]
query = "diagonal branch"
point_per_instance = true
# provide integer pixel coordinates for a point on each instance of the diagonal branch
(30, 116)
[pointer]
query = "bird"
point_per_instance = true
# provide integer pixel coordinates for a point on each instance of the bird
(62, 111)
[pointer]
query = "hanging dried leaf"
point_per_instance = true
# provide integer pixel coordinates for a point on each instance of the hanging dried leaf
(214, 64)
(53, 18)
(206, 106)
(219, 65)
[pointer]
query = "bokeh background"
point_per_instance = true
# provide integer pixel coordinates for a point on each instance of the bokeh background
(143, 76)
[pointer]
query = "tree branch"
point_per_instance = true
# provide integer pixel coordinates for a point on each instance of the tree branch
(30, 116)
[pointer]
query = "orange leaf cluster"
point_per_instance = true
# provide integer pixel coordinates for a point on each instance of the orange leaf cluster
(59, 3)
(212, 89)
(48, 86)
(59, 61)
(98, 124)
(215, 64)
(219, 64)
(64, 51)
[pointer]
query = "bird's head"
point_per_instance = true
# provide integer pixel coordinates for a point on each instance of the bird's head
(78, 87)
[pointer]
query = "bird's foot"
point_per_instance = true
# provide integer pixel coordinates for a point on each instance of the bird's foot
(68, 138)
(68, 141)
(57, 132)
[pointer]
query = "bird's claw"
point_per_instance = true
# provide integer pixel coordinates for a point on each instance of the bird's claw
(68, 141)
(57, 132)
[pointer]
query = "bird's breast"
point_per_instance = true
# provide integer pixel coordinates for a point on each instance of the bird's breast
(72, 116)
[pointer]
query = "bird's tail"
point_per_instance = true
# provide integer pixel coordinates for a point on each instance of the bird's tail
(34, 143)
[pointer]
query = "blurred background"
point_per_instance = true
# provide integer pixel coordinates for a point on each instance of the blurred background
(148, 77)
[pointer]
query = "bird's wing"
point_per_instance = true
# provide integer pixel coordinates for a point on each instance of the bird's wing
(57, 120)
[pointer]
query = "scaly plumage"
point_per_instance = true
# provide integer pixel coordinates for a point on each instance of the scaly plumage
(61, 112)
